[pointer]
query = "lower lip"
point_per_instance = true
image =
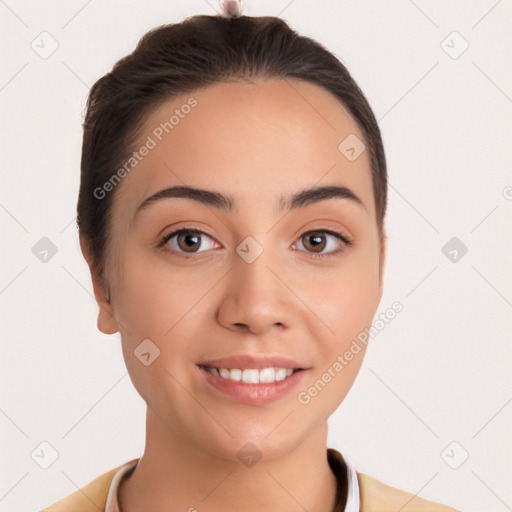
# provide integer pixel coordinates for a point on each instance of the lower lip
(253, 394)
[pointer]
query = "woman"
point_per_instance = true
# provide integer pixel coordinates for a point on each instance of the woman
(231, 210)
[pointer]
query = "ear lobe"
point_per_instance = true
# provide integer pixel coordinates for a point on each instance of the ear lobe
(106, 321)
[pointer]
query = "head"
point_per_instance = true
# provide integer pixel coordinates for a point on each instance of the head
(251, 114)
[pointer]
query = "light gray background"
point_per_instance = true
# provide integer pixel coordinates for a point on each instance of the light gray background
(438, 373)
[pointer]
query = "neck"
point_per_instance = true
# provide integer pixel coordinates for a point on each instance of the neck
(173, 475)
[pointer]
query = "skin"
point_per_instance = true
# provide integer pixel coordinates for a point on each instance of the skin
(255, 142)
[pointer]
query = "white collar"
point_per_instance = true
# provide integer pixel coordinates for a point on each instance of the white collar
(353, 501)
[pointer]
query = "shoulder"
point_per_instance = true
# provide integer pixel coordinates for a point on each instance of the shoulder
(377, 496)
(89, 498)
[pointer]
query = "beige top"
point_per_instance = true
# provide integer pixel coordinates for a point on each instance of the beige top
(364, 492)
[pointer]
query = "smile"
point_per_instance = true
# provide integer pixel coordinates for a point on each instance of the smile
(251, 386)
(251, 375)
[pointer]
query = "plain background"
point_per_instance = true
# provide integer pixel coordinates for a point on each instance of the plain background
(436, 381)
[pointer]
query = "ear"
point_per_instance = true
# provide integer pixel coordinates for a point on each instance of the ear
(382, 261)
(106, 322)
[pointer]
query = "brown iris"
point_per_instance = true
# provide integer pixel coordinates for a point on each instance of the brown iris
(317, 238)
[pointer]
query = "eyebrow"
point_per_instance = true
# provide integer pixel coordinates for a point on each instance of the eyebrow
(226, 203)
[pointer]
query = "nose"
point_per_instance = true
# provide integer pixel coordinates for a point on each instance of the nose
(256, 298)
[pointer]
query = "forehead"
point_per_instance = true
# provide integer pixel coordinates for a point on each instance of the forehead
(252, 141)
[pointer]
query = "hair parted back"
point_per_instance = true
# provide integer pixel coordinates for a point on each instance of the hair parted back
(175, 59)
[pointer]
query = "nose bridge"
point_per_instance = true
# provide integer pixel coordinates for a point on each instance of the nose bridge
(255, 296)
(252, 272)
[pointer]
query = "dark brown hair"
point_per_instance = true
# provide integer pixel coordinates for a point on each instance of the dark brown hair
(179, 58)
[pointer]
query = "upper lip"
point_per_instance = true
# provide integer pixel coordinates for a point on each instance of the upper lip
(257, 362)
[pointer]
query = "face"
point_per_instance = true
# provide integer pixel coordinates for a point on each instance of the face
(256, 274)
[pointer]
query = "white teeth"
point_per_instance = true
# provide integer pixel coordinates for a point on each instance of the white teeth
(267, 375)
(280, 374)
(252, 375)
(224, 372)
(235, 374)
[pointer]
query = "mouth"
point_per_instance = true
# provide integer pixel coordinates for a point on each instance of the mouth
(252, 375)
(249, 385)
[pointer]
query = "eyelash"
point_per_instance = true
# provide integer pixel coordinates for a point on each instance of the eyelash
(347, 242)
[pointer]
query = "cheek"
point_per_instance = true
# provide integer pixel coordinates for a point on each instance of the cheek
(154, 297)
(347, 297)
(352, 302)
(346, 303)
(158, 305)
(162, 304)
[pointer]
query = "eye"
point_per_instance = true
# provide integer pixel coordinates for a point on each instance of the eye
(187, 240)
(318, 240)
